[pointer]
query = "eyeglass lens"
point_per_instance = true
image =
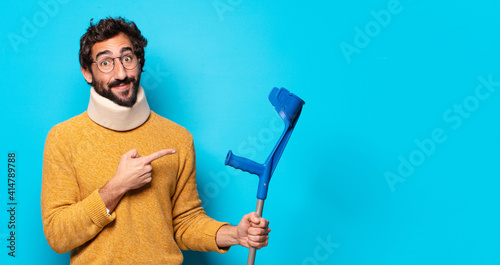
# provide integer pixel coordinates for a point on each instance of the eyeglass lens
(106, 64)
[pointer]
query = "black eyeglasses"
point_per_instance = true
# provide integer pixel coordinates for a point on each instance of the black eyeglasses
(106, 64)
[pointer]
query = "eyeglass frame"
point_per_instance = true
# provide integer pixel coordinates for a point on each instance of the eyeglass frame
(113, 60)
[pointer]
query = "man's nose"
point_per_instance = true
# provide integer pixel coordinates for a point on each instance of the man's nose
(119, 70)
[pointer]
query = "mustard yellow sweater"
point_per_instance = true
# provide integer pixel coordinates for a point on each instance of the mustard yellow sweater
(151, 224)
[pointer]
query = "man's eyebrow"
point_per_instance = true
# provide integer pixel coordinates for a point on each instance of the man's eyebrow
(124, 49)
(102, 52)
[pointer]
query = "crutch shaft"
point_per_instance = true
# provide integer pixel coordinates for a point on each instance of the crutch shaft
(253, 251)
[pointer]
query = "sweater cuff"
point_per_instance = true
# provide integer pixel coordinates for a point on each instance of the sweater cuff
(96, 210)
(210, 234)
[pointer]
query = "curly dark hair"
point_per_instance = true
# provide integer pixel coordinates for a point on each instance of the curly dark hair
(106, 29)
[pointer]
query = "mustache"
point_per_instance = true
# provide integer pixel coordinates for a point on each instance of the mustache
(127, 80)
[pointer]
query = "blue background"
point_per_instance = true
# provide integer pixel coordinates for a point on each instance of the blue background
(411, 71)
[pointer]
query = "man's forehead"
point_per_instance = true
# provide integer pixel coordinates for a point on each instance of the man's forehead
(112, 46)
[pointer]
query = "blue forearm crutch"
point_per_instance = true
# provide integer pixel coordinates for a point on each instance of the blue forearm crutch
(288, 107)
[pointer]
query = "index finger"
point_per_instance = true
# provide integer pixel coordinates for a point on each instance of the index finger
(152, 157)
(256, 221)
(262, 223)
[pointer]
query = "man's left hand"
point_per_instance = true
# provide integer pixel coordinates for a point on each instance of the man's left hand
(253, 231)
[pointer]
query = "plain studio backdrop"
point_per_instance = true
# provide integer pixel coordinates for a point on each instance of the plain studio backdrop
(394, 160)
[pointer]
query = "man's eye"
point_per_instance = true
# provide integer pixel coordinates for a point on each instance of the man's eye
(105, 63)
(127, 58)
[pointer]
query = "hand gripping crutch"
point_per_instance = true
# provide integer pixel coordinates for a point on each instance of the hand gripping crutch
(288, 107)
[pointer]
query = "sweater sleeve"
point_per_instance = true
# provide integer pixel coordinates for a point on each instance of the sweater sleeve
(193, 229)
(68, 220)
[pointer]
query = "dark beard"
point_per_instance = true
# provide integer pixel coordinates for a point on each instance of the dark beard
(99, 88)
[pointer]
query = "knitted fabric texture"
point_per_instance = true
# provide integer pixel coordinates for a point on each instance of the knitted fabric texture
(150, 224)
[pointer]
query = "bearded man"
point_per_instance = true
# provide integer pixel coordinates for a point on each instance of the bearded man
(119, 180)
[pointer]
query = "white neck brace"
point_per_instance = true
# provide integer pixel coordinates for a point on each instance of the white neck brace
(115, 117)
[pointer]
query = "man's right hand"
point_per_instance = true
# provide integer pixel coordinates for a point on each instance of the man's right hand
(133, 172)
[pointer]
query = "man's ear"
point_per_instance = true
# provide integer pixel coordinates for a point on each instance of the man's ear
(87, 75)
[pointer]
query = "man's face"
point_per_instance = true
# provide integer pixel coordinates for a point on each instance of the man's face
(121, 84)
